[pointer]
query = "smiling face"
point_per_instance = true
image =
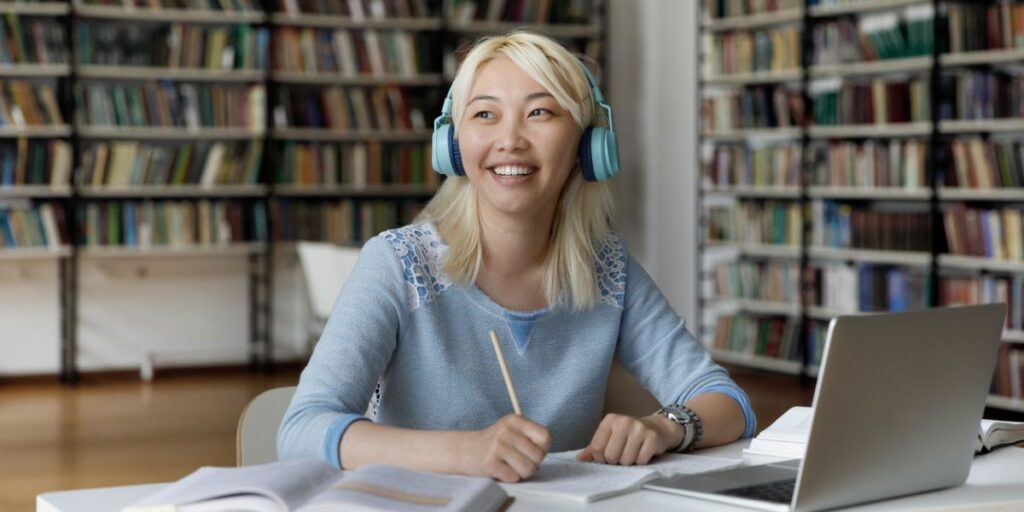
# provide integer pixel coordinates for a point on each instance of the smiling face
(518, 144)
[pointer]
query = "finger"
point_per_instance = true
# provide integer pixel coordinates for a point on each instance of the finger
(599, 441)
(505, 473)
(526, 446)
(616, 443)
(523, 466)
(537, 433)
(634, 441)
(648, 449)
(585, 456)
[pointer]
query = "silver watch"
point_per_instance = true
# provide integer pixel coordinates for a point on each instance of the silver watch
(693, 428)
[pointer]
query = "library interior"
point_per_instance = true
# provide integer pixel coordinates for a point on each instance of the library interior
(186, 187)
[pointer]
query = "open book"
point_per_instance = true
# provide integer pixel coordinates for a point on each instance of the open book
(562, 476)
(787, 437)
(311, 485)
(994, 434)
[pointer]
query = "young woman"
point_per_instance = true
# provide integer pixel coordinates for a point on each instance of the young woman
(517, 241)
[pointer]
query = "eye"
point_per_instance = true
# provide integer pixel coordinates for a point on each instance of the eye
(484, 114)
(539, 112)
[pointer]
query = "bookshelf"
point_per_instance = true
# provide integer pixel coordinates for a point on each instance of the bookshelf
(229, 129)
(905, 119)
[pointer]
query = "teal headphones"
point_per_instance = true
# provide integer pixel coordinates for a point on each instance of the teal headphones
(598, 151)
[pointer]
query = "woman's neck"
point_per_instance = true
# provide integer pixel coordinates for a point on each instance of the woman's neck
(514, 246)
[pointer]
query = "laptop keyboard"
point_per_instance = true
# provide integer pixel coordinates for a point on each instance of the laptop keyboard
(775, 492)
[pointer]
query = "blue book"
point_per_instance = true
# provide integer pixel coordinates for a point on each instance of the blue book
(8, 168)
(899, 293)
(5, 227)
(866, 293)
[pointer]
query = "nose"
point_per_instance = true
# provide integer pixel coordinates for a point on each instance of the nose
(511, 137)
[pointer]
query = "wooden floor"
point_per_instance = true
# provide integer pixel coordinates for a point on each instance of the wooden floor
(116, 430)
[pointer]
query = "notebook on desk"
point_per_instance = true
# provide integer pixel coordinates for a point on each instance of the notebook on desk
(897, 407)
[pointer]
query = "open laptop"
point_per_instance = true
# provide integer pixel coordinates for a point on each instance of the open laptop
(896, 412)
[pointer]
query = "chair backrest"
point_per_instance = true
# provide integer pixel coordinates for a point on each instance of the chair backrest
(325, 267)
(256, 438)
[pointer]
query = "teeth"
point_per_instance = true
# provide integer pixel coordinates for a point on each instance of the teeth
(512, 170)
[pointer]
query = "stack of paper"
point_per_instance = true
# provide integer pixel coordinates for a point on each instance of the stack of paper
(787, 437)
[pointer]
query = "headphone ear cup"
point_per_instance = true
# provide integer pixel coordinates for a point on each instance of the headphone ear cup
(455, 154)
(585, 155)
(599, 154)
(440, 154)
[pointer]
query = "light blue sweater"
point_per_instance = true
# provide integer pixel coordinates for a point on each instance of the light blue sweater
(415, 347)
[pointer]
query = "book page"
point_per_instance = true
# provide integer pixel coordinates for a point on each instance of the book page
(381, 487)
(794, 426)
(282, 486)
(562, 476)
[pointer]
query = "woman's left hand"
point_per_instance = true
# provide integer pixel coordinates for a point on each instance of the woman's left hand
(626, 440)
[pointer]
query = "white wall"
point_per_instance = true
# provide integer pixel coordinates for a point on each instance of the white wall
(653, 89)
(194, 311)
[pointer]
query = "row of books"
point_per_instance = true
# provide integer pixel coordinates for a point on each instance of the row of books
(776, 49)
(520, 11)
(977, 26)
(360, 9)
(979, 163)
(750, 222)
(838, 102)
(774, 337)
(35, 162)
(982, 95)
(717, 9)
(842, 225)
(774, 281)
(174, 45)
(25, 103)
(384, 108)
(31, 41)
(983, 289)
(1008, 380)
(870, 164)
(853, 288)
(28, 226)
(345, 222)
(762, 106)
(990, 233)
(875, 37)
(167, 104)
(192, 163)
(216, 5)
(352, 53)
(771, 165)
(145, 224)
(355, 164)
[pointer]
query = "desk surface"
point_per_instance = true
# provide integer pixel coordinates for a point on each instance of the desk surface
(996, 484)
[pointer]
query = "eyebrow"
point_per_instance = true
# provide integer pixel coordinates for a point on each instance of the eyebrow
(529, 97)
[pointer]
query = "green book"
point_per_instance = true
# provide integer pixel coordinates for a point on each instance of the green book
(181, 164)
(122, 114)
(114, 223)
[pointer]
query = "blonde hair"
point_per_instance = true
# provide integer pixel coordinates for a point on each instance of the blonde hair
(582, 217)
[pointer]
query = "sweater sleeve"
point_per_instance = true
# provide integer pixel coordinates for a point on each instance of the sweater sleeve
(349, 359)
(656, 347)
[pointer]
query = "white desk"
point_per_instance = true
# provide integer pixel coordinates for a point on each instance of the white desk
(996, 484)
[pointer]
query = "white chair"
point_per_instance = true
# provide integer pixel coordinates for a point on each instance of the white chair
(325, 267)
(256, 437)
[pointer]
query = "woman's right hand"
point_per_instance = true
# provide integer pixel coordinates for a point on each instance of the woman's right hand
(510, 450)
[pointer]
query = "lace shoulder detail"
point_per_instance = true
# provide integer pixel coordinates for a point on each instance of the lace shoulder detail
(611, 272)
(420, 248)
